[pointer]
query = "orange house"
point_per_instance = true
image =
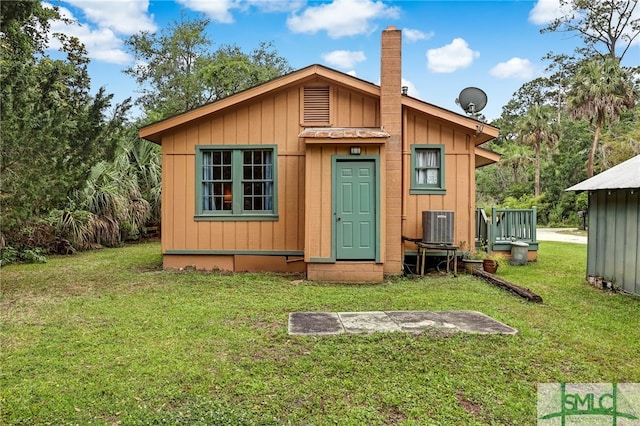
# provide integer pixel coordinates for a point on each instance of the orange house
(317, 172)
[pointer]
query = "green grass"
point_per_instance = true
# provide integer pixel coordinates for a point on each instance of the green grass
(107, 337)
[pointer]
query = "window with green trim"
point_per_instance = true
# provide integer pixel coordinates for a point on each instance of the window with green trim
(236, 181)
(427, 169)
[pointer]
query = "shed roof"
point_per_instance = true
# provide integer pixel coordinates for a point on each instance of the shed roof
(624, 175)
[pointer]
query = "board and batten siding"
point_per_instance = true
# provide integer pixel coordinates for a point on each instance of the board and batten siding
(459, 177)
(273, 119)
(351, 109)
(268, 121)
(319, 213)
(348, 109)
(613, 251)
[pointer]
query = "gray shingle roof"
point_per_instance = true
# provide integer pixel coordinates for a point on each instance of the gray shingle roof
(624, 175)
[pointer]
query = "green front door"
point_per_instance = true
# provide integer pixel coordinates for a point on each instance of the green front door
(355, 212)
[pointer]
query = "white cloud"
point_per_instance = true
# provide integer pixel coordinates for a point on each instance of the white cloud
(221, 10)
(514, 68)
(122, 16)
(102, 43)
(344, 58)
(277, 5)
(341, 17)
(411, 88)
(545, 11)
(451, 57)
(352, 73)
(218, 10)
(415, 35)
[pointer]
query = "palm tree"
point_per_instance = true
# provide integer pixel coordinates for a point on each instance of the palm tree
(516, 157)
(537, 128)
(600, 91)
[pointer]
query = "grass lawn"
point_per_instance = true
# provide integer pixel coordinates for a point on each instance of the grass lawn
(106, 337)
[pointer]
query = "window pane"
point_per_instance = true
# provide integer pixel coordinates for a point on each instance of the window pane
(432, 177)
(258, 180)
(427, 167)
(226, 172)
(432, 159)
(216, 180)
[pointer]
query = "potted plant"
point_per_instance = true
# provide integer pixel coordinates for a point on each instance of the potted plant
(489, 262)
(490, 265)
(469, 259)
(471, 262)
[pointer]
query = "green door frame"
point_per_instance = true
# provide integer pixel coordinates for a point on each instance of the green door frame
(335, 159)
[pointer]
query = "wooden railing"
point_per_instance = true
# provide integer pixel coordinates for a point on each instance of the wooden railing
(482, 228)
(504, 226)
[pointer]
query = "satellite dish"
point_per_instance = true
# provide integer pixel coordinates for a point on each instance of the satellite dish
(472, 100)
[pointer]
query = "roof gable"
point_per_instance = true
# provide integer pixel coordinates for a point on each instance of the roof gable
(153, 132)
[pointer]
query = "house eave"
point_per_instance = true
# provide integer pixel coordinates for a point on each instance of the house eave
(485, 157)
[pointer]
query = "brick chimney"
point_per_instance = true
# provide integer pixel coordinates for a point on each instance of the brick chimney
(391, 121)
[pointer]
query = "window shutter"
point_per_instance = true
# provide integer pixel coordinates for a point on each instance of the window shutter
(316, 104)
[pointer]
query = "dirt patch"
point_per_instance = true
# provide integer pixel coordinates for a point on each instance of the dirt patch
(471, 407)
(392, 415)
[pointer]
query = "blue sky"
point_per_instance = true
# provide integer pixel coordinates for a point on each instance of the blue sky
(447, 45)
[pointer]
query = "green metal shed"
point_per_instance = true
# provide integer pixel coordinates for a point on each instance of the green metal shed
(613, 250)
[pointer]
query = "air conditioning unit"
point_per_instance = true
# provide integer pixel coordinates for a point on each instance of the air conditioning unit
(437, 226)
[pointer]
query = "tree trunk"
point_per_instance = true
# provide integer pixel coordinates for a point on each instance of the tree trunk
(536, 188)
(594, 146)
(516, 289)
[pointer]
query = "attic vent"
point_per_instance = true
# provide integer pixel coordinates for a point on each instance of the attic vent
(316, 104)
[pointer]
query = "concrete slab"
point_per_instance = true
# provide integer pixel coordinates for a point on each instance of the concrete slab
(328, 323)
(315, 323)
(417, 321)
(367, 322)
(476, 322)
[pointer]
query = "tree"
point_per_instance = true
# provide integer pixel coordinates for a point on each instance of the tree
(611, 23)
(52, 129)
(232, 71)
(600, 92)
(621, 141)
(538, 128)
(177, 72)
(118, 200)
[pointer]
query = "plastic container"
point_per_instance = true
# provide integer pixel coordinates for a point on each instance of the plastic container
(519, 253)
